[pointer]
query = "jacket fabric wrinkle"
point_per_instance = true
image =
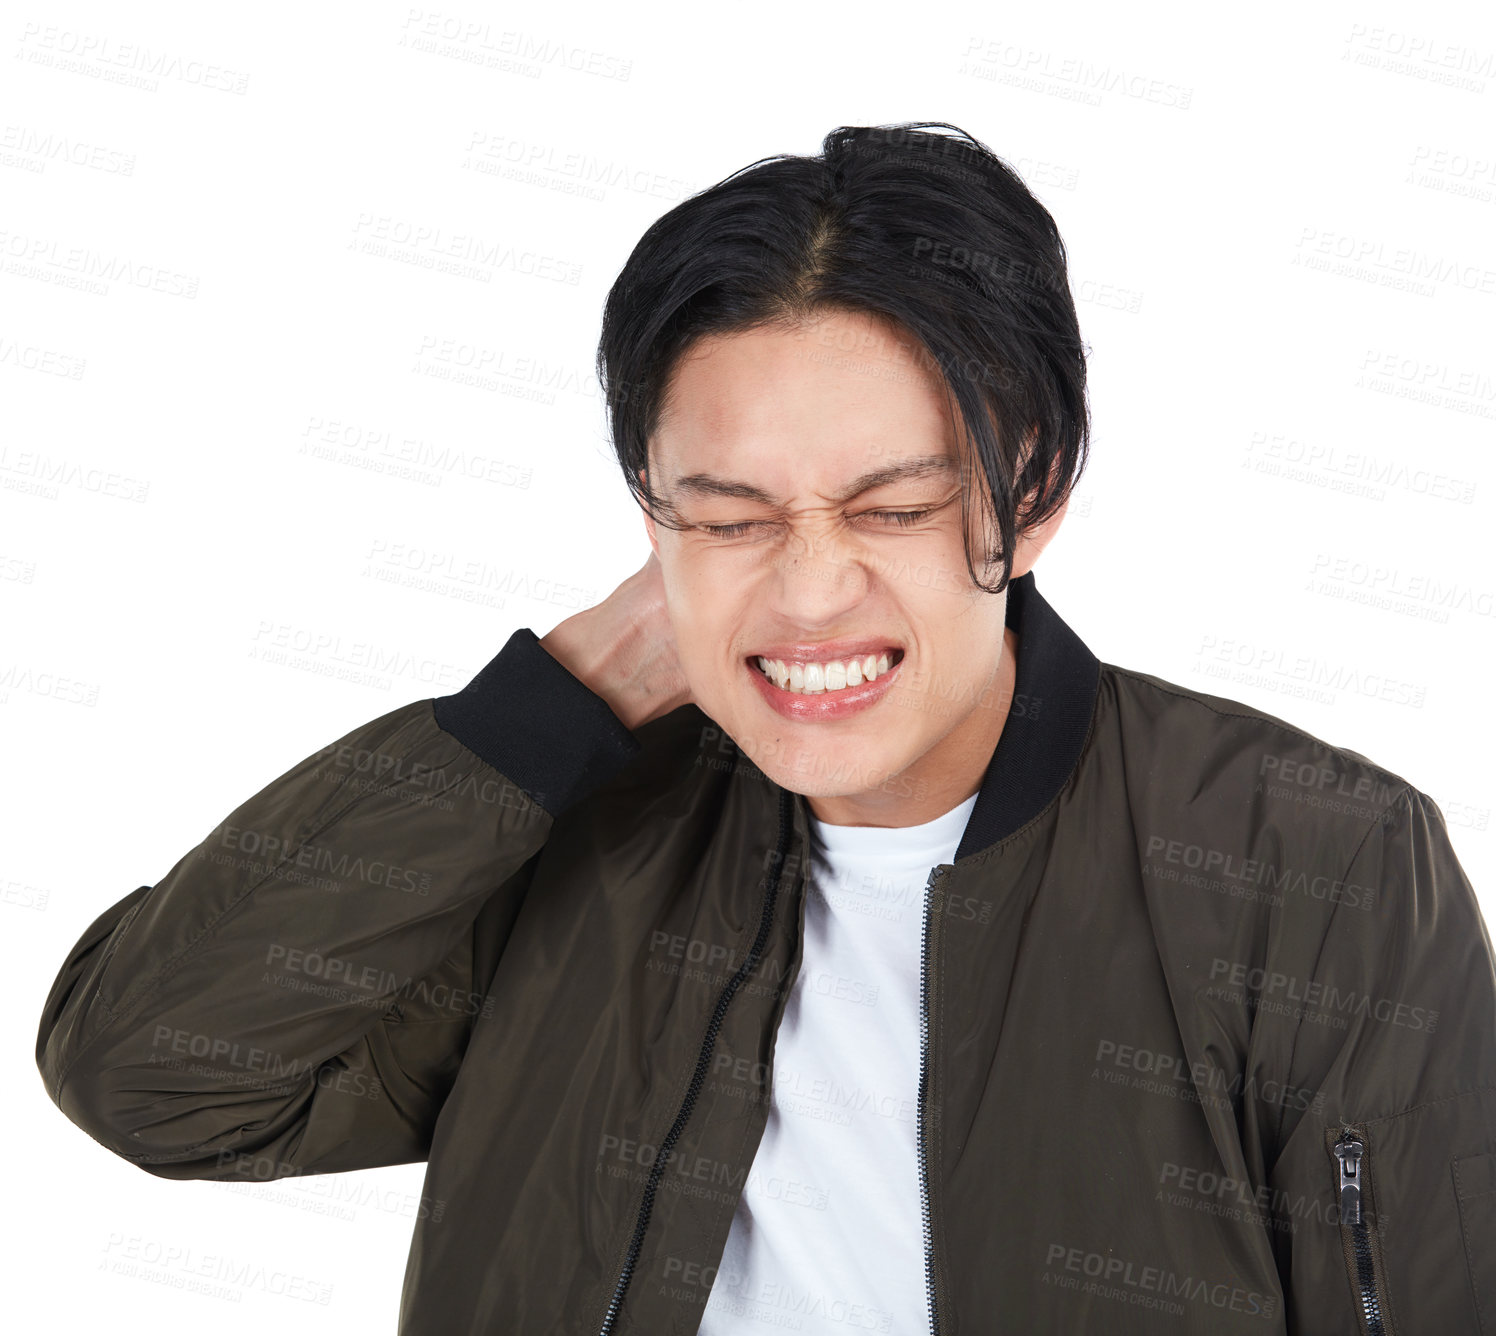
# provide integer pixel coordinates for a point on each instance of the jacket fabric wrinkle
(1211, 1012)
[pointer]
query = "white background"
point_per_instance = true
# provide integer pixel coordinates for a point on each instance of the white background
(165, 519)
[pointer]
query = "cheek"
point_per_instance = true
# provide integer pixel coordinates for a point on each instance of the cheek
(703, 613)
(700, 643)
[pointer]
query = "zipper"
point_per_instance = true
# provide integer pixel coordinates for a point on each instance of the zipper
(1362, 1253)
(703, 1058)
(924, 1086)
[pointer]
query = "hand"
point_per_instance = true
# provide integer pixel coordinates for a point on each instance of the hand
(624, 649)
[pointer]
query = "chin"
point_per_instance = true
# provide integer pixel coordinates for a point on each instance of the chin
(831, 770)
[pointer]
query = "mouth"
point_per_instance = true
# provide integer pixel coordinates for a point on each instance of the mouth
(826, 677)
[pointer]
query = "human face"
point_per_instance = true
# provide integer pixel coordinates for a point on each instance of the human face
(825, 567)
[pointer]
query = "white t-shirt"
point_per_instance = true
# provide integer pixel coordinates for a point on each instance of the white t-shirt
(828, 1236)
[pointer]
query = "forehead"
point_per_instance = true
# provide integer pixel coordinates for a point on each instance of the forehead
(810, 406)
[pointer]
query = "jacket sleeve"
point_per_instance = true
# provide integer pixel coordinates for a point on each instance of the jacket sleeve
(296, 994)
(1398, 1045)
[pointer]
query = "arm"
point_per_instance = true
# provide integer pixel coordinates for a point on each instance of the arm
(296, 994)
(1411, 1071)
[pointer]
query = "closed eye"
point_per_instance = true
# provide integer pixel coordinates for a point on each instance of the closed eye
(727, 530)
(902, 518)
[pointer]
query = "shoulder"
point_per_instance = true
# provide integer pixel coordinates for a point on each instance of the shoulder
(1189, 729)
(1221, 774)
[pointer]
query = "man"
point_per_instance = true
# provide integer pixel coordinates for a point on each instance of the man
(816, 933)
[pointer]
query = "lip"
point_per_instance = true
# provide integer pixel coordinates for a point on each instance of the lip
(845, 648)
(824, 706)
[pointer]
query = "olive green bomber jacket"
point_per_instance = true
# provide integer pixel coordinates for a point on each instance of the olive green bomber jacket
(1207, 1004)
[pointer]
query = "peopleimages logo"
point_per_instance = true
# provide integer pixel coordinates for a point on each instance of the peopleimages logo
(380, 985)
(344, 867)
(1255, 872)
(1319, 1000)
(1157, 1281)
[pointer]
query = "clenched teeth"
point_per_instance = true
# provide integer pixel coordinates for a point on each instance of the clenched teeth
(809, 678)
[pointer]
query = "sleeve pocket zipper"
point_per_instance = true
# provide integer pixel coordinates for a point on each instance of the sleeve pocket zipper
(1351, 1156)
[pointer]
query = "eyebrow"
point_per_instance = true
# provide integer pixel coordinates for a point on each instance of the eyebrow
(709, 484)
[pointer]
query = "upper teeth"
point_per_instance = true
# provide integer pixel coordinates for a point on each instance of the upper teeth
(831, 675)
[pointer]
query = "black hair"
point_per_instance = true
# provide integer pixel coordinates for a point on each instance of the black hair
(932, 231)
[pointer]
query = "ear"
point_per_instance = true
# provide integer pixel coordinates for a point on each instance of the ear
(1033, 541)
(1026, 553)
(649, 524)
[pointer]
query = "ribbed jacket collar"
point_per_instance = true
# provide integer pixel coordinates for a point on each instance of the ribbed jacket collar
(1047, 726)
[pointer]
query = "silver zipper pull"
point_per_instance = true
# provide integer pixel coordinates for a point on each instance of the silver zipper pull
(1348, 1150)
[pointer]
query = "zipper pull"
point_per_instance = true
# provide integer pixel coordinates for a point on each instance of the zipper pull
(1348, 1150)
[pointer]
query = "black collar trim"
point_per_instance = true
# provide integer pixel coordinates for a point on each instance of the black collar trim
(1047, 726)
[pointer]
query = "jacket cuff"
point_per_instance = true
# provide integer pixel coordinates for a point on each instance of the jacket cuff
(537, 724)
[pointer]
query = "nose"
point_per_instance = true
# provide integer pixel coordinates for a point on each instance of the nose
(819, 581)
